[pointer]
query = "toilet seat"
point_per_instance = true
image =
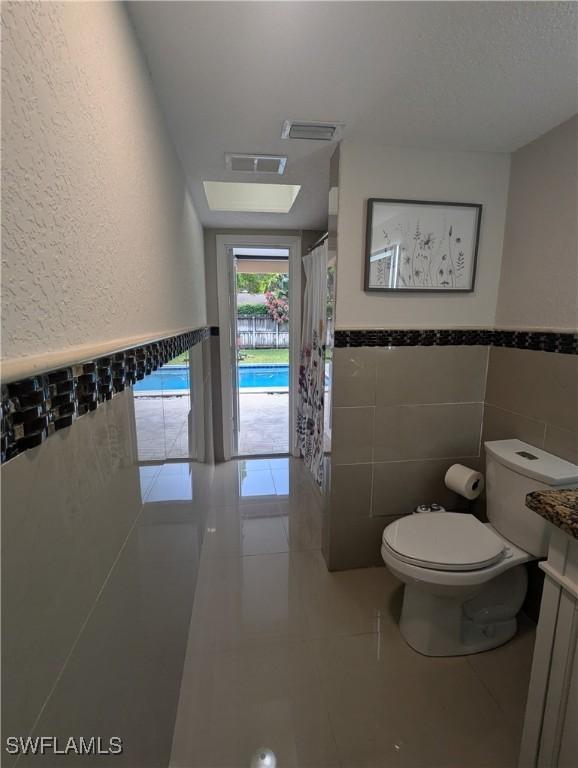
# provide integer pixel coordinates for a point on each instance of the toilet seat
(444, 541)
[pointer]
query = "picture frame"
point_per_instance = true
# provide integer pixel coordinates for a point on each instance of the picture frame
(421, 246)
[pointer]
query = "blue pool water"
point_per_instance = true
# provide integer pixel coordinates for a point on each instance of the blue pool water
(169, 377)
(274, 375)
(175, 377)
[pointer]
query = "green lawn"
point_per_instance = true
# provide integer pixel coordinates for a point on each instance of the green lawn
(179, 359)
(247, 356)
(254, 356)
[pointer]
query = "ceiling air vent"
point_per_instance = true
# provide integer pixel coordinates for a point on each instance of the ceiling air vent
(300, 129)
(255, 163)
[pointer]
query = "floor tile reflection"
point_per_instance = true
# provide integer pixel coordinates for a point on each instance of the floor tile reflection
(147, 475)
(263, 477)
(173, 482)
(245, 531)
(257, 484)
(281, 482)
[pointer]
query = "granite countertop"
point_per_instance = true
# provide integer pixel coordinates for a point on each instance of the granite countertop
(559, 507)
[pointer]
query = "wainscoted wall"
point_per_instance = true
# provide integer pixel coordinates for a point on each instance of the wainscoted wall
(55, 556)
(401, 417)
(408, 402)
(93, 613)
(102, 250)
(534, 396)
(403, 414)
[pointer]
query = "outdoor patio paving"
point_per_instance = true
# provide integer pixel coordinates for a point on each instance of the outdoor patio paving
(162, 427)
(163, 433)
(264, 421)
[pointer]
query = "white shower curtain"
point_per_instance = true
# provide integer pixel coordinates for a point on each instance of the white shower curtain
(310, 408)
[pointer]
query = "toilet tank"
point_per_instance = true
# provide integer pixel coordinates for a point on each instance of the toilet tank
(514, 469)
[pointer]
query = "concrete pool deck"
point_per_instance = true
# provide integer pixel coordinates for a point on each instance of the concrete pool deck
(182, 392)
(264, 420)
(162, 424)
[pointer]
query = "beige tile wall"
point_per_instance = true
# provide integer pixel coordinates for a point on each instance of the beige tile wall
(533, 396)
(67, 508)
(60, 539)
(401, 417)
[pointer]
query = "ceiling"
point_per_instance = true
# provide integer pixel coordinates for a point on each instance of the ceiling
(455, 75)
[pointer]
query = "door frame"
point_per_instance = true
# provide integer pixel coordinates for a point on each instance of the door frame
(293, 244)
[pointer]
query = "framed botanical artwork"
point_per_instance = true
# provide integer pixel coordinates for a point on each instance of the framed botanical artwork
(417, 245)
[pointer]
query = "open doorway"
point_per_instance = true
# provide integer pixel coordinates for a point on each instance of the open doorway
(262, 336)
(259, 317)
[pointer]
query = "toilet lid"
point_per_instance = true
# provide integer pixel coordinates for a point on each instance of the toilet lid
(446, 541)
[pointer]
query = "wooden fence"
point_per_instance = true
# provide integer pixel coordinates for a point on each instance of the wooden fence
(258, 332)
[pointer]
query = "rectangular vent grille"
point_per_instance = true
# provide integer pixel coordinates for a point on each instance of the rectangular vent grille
(299, 129)
(255, 163)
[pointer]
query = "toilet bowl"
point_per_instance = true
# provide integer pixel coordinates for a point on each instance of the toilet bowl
(464, 583)
(464, 580)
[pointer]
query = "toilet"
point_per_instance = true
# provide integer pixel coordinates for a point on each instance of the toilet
(465, 580)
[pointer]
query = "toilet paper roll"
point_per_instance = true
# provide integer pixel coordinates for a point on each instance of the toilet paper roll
(465, 481)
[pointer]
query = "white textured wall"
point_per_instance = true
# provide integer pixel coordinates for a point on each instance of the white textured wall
(539, 285)
(415, 174)
(100, 239)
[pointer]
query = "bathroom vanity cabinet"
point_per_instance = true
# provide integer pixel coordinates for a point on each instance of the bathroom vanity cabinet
(550, 735)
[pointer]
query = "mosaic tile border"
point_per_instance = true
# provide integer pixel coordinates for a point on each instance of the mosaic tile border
(564, 343)
(34, 408)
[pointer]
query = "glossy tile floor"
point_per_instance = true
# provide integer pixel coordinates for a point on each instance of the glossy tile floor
(215, 628)
(283, 655)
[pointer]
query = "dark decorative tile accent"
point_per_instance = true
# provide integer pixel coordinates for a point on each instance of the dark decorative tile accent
(34, 408)
(214, 330)
(564, 343)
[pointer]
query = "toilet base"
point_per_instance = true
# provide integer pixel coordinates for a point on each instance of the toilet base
(441, 625)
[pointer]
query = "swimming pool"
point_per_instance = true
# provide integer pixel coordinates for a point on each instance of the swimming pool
(262, 376)
(176, 377)
(170, 377)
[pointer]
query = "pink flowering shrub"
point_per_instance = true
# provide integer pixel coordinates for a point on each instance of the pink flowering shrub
(277, 307)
